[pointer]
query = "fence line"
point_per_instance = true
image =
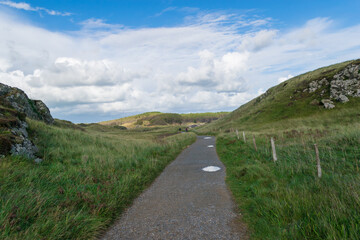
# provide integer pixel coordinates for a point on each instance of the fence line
(274, 154)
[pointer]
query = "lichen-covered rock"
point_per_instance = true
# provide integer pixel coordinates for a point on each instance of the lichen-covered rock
(343, 85)
(15, 106)
(346, 84)
(315, 85)
(16, 98)
(44, 111)
(14, 137)
(25, 148)
(342, 98)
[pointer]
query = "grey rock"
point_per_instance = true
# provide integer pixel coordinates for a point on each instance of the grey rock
(23, 145)
(345, 84)
(346, 73)
(328, 104)
(38, 160)
(323, 82)
(26, 149)
(313, 86)
(19, 142)
(44, 111)
(34, 109)
(343, 98)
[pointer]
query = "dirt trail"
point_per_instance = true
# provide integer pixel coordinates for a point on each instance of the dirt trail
(184, 202)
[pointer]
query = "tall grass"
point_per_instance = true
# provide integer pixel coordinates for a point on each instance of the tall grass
(85, 181)
(286, 199)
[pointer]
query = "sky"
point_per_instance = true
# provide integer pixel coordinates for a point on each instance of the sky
(98, 60)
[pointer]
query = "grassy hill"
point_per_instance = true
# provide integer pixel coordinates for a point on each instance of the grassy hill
(287, 105)
(151, 119)
(286, 199)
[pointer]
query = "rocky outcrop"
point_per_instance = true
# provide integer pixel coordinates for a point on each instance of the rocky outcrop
(16, 98)
(15, 106)
(343, 85)
(346, 84)
(315, 85)
(23, 145)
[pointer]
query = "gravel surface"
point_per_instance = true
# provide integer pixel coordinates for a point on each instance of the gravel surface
(184, 202)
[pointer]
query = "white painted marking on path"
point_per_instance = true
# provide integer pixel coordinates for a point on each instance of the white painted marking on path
(210, 146)
(211, 169)
(207, 137)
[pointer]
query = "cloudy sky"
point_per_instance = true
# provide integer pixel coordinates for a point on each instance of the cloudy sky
(103, 59)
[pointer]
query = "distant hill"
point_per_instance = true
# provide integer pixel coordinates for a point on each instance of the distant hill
(151, 119)
(324, 96)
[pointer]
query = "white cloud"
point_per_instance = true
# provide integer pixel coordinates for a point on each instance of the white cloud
(70, 72)
(21, 5)
(256, 41)
(207, 64)
(27, 7)
(220, 75)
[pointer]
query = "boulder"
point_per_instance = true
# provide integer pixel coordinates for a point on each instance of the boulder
(328, 104)
(346, 84)
(342, 98)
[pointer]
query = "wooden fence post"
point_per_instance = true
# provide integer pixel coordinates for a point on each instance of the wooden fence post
(254, 143)
(318, 161)
(244, 137)
(237, 134)
(273, 149)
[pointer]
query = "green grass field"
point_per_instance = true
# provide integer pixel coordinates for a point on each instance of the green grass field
(87, 178)
(286, 199)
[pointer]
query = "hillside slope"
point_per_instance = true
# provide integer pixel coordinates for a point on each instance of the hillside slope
(308, 97)
(311, 124)
(151, 119)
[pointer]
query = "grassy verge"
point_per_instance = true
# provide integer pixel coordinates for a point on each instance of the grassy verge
(286, 200)
(86, 180)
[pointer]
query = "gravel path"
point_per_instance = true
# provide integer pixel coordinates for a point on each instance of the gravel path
(184, 202)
